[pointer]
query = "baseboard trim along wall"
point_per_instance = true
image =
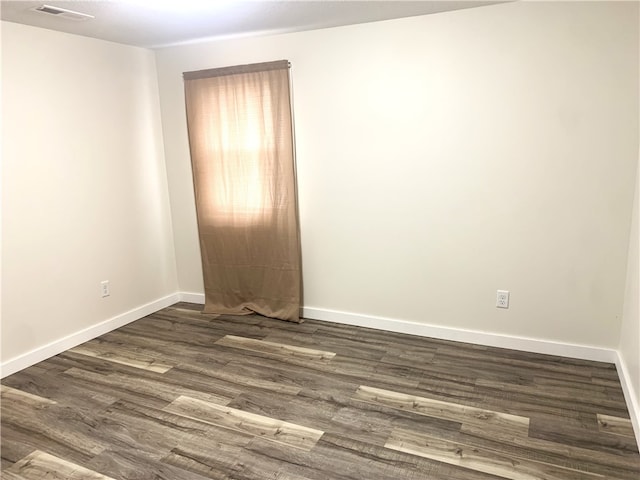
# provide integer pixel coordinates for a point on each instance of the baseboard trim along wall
(20, 362)
(192, 297)
(460, 335)
(629, 396)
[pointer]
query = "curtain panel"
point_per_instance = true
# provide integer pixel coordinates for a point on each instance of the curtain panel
(242, 155)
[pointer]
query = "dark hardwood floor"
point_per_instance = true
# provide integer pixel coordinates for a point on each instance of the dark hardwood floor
(181, 395)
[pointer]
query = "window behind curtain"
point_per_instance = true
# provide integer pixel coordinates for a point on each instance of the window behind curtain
(241, 142)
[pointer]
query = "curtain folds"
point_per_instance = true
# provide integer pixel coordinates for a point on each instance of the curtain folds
(242, 157)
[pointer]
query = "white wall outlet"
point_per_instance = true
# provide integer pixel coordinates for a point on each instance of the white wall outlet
(104, 288)
(502, 299)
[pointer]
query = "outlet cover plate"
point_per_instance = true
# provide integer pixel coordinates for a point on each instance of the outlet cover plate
(104, 288)
(502, 299)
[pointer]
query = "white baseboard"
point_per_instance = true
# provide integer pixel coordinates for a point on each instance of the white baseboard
(534, 345)
(192, 297)
(54, 348)
(629, 395)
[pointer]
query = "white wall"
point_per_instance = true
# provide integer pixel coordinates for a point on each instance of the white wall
(84, 191)
(443, 157)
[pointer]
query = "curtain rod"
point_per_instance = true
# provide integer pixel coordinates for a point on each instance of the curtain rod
(234, 70)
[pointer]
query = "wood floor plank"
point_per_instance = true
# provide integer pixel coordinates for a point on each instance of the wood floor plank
(594, 402)
(189, 311)
(12, 451)
(559, 431)
(378, 337)
(108, 352)
(235, 375)
(337, 457)
(40, 465)
(9, 394)
(615, 425)
(136, 465)
(606, 382)
(279, 349)
(528, 360)
(141, 389)
(179, 429)
(130, 426)
(314, 384)
(57, 428)
(445, 410)
(477, 459)
(168, 345)
(467, 371)
(349, 347)
(171, 328)
(602, 463)
(180, 353)
(217, 462)
(32, 437)
(194, 463)
(58, 388)
(373, 426)
(531, 406)
(11, 476)
(411, 358)
(355, 368)
(317, 413)
(294, 435)
(451, 392)
(338, 462)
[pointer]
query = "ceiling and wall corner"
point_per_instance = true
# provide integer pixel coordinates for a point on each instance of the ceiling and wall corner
(161, 23)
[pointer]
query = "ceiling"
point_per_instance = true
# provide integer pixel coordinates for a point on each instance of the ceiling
(160, 23)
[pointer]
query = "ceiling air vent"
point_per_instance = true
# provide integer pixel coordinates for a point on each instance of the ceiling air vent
(62, 13)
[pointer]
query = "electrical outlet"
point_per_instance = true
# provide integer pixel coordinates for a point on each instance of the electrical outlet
(104, 288)
(502, 299)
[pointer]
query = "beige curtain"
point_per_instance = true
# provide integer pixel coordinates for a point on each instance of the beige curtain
(242, 155)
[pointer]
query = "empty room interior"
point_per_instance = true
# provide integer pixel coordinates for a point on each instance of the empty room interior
(462, 218)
